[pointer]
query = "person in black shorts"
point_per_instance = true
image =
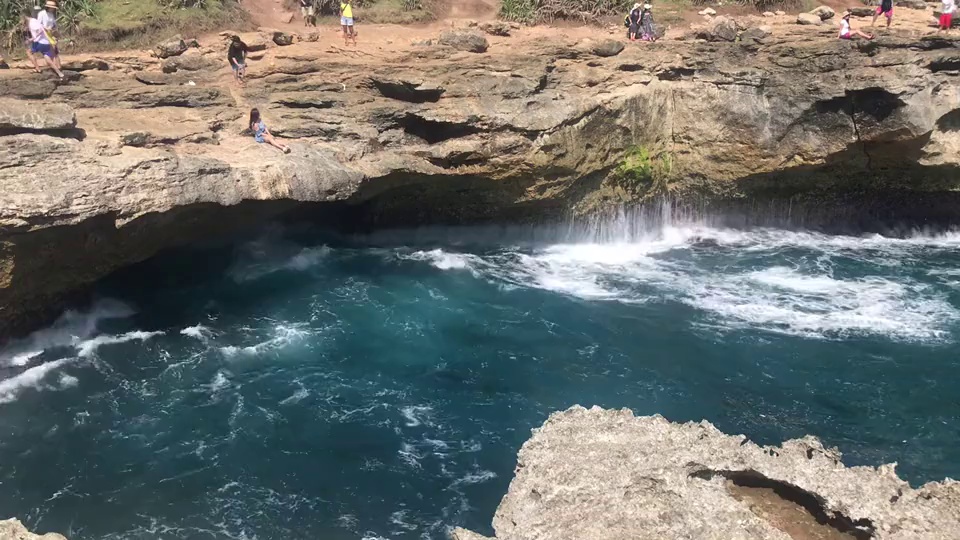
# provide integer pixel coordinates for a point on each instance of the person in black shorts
(237, 56)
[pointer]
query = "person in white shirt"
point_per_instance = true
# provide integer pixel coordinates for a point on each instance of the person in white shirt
(40, 43)
(946, 15)
(847, 32)
(48, 18)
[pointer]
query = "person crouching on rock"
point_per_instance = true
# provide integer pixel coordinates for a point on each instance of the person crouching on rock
(262, 135)
(847, 32)
(237, 56)
(634, 17)
(40, 44)
(346, 21)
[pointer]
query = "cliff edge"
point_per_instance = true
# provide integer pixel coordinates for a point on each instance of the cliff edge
(12, 529)
(594, 474)
(133, 154)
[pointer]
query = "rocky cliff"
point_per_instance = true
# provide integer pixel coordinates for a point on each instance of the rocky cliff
(12, 529)
(605, 474)
(132, 155)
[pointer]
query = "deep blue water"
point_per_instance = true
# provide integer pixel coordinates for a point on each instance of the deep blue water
(296, 387)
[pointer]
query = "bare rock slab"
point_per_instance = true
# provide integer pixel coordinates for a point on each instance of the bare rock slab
(17, 115)
(607, 475)
(12, 529)
(465, 40)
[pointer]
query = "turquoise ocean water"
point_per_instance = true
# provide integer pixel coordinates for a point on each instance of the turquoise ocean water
(295, 385)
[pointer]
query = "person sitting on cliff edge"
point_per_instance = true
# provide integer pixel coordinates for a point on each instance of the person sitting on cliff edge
(847, 32)
(262, 135)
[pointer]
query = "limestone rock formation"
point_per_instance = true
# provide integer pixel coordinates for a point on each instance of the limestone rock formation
(862, 11)
(17, 115)
(608, 475)
(824, 12)
(607, 47)
(464, 40)
(172, 47)
(12, 529)
(496, 28)
(526, 132)
(720, 29)
(809, 19)
(912, 4)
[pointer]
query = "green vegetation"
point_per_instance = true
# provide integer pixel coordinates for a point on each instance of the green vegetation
(537, 11)
(644, 171)
(759, 5)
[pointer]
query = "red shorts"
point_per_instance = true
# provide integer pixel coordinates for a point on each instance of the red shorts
(888, 13)
(946, 20)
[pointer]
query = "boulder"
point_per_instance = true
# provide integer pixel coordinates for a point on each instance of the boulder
(465, 40)
(862, 11)
(825, 12)
(90, 64)
(20, 115)
(175, 46)
(193, 62)
(769, 14)
(607, 47)
(779, 13)
(911, 4)
(708, 11)
(12, 529)
(312, 37)
(281, 38)
(496, 28)
(720, 29)
(756, 33)
(809, 19)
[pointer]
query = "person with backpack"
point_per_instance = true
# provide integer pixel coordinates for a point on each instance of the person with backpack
(307, 11)
(634, 19)
(48, 18)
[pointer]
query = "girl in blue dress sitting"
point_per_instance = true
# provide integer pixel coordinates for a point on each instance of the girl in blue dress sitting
(262, 135)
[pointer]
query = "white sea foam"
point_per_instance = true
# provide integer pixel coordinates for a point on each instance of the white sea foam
(474, 478)
(197, 332)
(409, 455)
(69, 329)
(703, 267)
(85, 349)
(33, 378)
(272, 253)
(283, 334)
(445, 260)
(416, 415)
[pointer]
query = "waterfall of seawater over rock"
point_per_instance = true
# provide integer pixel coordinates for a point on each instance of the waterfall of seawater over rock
(296, 385)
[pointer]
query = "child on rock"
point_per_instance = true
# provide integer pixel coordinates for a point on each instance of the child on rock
(262, 135)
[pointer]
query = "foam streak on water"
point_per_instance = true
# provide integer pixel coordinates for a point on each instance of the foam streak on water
(380, 386)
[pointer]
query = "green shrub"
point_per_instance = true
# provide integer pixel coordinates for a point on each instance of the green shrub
(535, 11)
(641, 170)
(759, 5)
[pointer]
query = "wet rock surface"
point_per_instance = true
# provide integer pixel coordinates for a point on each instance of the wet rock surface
(606, 474)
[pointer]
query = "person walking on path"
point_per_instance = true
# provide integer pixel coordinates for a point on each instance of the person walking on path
(346, 21)
(40, 44)
(262, 135)
(25, 18)
(885, 8)
(946, 15)
(308, 13)
(634, 18)
(847, 32)
(48, 18)
(237, 56)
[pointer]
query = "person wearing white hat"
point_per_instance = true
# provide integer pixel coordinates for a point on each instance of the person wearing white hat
(48, 18)
(634, 18)
(847, 32)
(648, 33)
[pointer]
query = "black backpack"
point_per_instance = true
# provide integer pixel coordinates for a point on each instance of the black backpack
(626, 21)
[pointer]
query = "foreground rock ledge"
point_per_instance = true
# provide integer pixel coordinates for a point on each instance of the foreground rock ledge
(12, 529)
(606, 474)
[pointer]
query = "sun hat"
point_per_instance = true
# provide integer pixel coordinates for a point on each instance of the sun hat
(50, 4)
(647, 6)
(636, 6)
